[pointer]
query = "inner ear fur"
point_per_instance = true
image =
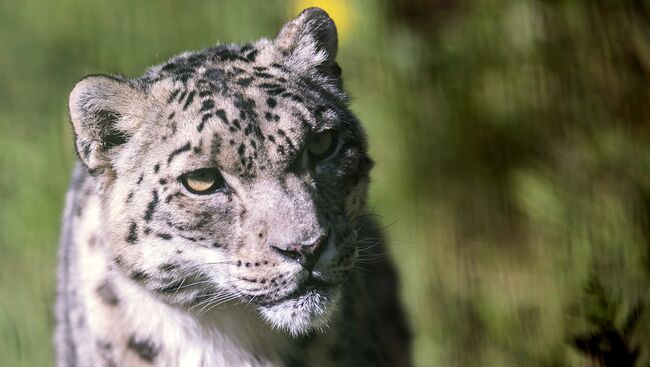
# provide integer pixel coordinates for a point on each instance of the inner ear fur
(104, 111)
(310, 38)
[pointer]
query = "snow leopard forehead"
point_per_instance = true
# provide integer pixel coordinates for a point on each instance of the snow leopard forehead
(250, 106)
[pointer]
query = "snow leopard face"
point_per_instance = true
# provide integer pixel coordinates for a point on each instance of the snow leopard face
(232, 175)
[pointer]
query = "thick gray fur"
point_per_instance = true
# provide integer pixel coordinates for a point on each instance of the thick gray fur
(153, 274)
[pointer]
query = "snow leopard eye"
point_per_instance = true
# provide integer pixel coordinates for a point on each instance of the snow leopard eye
(203, 181)
(321, 145)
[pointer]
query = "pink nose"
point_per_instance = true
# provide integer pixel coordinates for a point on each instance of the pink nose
(306, 254)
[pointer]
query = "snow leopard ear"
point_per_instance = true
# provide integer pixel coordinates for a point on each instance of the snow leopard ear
(310, 39)
(104, 111)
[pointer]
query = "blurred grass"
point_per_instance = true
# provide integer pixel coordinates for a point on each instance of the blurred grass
(511, 140)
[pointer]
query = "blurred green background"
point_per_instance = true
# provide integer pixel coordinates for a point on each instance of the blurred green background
(512, 147)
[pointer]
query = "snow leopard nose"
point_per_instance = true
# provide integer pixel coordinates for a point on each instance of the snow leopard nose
(305, 254)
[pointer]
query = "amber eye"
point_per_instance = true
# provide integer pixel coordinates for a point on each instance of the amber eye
(321, 145)
(203, 181)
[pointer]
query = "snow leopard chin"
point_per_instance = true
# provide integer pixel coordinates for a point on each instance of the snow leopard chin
(310, 311)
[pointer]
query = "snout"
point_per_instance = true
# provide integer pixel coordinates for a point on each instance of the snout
(306, 253)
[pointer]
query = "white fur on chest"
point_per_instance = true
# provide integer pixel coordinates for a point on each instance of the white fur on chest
(230, 335)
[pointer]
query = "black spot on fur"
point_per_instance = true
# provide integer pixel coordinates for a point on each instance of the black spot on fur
(138, 275)
(245, 82)
(140, 179)
(271, 102)
(107, 294)
(246, 107)
(276, 91)
(204, 119)
(221, 114)
(251, 56)
(225, 54)
(207, 105)
(165, 236)
(169, 67)
(189, 100)
(144, 348)
(319, 111)
(191, 239)
(132, 237)
(238, 71)
(180, 99)
(156, 168)
(270, 86)
(195, 60)
(235, 123)
(151, 207)
(178, 151)
(172, 196)
(287, 140)
(173, 96)
(263, 75)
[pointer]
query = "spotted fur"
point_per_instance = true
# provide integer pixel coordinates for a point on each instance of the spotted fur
(153, 274)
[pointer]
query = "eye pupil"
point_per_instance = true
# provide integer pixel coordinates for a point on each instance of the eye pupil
(203, 181)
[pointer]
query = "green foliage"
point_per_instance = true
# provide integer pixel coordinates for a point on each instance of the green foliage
(608, 340)
(511, 140)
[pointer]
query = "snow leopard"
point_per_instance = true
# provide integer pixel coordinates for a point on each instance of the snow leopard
(217, 215)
